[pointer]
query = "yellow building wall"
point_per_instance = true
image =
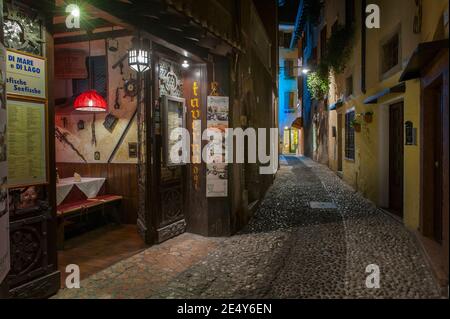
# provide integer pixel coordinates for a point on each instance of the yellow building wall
(364, 172)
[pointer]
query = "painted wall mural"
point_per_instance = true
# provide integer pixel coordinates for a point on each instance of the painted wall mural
(115, 130)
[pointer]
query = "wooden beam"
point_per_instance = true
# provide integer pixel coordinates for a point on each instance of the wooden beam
(92, 37)
(85, 25)
(136, 16)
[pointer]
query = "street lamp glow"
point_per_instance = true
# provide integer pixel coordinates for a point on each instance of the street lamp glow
(75, 11)
(185, 64)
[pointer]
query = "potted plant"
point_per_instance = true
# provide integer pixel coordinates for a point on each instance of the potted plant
(368, 117)
(356, 125)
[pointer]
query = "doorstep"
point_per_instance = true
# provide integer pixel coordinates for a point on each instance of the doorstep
(433, 255)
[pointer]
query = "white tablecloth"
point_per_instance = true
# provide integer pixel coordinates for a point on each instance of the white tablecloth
(89, 186)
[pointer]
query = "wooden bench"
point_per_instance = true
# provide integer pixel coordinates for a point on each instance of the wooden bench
(102, 203)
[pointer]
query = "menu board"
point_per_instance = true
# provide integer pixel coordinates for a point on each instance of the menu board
(217, 171)
(174, 120)
(26, 143)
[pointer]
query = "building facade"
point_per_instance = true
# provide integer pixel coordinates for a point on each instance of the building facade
(374, 124)
(290, 103)
(199, 50)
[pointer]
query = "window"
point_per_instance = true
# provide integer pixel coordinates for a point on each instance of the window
(323, 42)
(349, 12)
(289, 102)
(289, 66)
(349, 136)
(285, 39)
(97, 80)
(349, 86)
(390, 54)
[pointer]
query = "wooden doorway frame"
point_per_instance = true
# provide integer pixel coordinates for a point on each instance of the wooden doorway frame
(436, 73)
(392, 170)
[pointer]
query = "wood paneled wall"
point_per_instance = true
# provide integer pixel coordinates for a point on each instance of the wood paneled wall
(121, 179)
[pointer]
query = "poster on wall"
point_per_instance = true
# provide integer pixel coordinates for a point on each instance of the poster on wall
(26, 143)
(26, 75)
(217, 172)
(4, 217)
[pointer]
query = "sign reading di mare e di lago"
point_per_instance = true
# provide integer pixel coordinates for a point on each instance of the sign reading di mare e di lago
(25, 75)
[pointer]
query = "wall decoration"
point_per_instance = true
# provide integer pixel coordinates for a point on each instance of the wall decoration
(26, 75)
(133, 150)
(26, 143)
(62, 138)
(217, 172)
(22, 29)
(74, 145)
(130, 88)
(110, 122)
(170, 79)
(80, 125)
(97, 156)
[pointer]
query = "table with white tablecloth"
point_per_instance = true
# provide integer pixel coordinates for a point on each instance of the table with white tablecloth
(89, 186)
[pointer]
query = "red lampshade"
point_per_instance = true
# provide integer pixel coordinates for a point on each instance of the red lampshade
(90, 101)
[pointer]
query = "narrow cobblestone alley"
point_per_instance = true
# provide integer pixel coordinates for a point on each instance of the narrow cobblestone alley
(290, 249)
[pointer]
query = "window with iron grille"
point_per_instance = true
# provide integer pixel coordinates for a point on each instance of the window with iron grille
(97, 80)
(349, 136)
(289, 68)
(284, 39)
(390, 54)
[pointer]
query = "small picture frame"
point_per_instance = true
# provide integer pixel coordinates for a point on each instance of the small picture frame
(132, 150)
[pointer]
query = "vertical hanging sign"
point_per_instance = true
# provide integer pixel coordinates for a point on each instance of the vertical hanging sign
(196, 158)
(4, 216)
(217, 171)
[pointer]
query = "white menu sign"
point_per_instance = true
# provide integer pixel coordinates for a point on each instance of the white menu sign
(25, 75)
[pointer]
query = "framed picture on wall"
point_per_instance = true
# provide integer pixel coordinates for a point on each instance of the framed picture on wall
(174, 119)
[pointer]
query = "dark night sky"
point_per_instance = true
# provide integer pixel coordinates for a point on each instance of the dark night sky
(288, 11)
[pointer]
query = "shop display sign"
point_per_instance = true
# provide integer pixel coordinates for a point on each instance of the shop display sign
(25, 75)
(26, 143)
(4, 216)
(217, 171)
(174, 115)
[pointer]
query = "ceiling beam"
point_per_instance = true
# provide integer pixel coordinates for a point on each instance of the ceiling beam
(137, 15)
(93, 36)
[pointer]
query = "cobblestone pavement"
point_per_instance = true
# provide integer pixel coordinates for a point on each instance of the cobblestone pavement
(288, 250)
(292, 251)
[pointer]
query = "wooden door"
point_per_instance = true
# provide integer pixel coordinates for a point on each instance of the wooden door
(396, 158)
(339, 142)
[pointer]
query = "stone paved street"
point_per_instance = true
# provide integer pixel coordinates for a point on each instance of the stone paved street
(289, 250)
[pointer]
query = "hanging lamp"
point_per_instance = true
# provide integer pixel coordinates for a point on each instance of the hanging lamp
(139, 56)
(91, 101)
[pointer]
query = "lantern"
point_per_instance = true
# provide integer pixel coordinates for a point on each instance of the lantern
(90, 101)
(139, 56)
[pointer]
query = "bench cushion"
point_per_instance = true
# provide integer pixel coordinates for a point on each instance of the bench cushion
(107, 198)
(77, 206)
